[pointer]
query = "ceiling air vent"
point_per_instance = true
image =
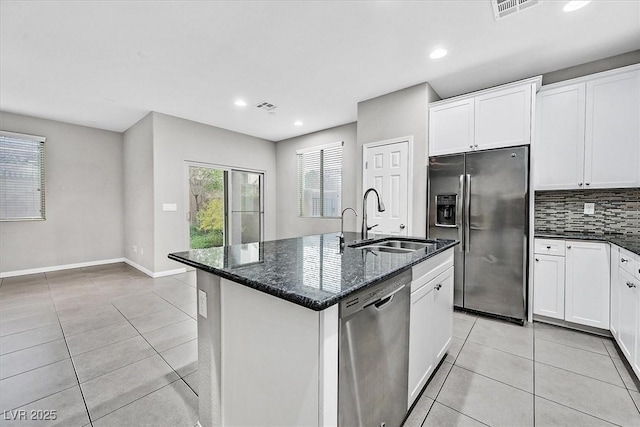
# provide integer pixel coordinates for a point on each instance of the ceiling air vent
(504, 8)
(267, 106)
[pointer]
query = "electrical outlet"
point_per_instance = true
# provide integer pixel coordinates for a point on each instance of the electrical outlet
(135, 248)
(589, 208)
(202, 303)
(141, 250)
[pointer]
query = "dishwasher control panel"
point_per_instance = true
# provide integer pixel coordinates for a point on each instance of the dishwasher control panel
(368, 296)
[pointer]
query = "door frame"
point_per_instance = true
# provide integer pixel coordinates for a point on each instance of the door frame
(227, 196)
(409, 140)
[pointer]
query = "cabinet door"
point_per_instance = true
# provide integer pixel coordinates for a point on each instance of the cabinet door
(451, 127)
(615, 292)
(559, 150)
(420, 339)
(442, 323)
(628, 315)
(503, 118)
(587, 283)
(548, 286)
(612, 138)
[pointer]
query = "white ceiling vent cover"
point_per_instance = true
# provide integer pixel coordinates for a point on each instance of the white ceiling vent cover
(504, 8)
(267, 106)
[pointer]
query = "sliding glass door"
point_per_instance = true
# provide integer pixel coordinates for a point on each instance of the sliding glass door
(225, 206)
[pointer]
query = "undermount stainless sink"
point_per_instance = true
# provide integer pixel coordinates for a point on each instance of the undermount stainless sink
(397, 246)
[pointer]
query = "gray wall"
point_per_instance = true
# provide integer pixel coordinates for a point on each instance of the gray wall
(289, 224)
(581, 70)
(138, 193)
(176, 141)
(84, 180)
(398, 114)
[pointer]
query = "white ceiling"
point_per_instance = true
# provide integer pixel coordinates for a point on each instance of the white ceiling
(105, 64)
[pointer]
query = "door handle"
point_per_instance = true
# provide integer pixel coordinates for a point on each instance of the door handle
(459, 199)
(467, 201)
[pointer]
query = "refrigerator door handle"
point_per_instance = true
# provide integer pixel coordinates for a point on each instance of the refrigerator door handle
(459, 213)
(467, 214)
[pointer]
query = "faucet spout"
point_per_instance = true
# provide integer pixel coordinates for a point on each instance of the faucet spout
(342, 226)
(381, 208)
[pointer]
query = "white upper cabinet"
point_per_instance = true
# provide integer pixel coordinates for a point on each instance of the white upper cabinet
(559, 150)
(503, 118)
(492, 118)
(612, 136)
(451, 127)
(588, 132)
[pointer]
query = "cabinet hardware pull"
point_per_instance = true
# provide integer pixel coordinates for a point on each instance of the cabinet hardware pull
(579, 184)
(471, 146)
(548, 247)
(569, 247)
(624, 260)
(631, 285)
(537, 260)
(587, 183)
(438, 286)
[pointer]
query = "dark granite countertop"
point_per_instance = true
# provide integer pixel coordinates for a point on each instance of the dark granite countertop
(309, 271)
(630, 243)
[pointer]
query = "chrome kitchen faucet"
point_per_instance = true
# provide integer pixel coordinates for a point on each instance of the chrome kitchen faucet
(365, 227)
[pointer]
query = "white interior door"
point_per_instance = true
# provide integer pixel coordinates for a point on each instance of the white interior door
(387, 170)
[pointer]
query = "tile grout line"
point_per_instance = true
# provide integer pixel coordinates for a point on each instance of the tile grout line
(533, 384)
(578, 348)
(624, 387)
(577, 410)
(75, 372)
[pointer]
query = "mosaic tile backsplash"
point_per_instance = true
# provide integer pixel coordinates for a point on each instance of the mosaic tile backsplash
(616, 211)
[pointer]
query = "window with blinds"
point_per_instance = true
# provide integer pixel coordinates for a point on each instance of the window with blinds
(21, 177)
(320, 181)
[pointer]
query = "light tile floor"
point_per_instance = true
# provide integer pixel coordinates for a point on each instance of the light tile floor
(500, 374)
(101, 346)
(108, 346)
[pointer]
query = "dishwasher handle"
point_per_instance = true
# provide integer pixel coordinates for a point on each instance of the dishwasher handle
(385, 301)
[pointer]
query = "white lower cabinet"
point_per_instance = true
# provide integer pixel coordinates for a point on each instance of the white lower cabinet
(625, 304)
(587, 283)
(573, 284)
(628, 313)
(548, 298)
(431, 319)
(442, 321)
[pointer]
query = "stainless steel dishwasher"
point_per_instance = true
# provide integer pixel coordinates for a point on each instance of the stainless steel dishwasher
(374, 354)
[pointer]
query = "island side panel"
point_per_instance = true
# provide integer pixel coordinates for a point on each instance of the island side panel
(270, 360)
(328, 387)
(209, 367)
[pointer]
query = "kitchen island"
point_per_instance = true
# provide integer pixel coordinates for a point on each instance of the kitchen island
(268, 323)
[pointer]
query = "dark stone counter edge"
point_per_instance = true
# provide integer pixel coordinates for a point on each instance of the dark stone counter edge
(613, 239)
(300, 299)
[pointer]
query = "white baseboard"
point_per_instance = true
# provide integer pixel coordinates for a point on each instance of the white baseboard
(90, 264)
(59, 267)
(151, 273)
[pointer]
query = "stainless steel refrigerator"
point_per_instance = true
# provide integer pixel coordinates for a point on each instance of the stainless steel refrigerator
(481, 198)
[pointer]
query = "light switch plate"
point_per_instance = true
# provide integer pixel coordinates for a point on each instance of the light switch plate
(169, 207)
(202, 303)
(589, 208)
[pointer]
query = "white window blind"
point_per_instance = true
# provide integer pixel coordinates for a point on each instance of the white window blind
(320, 181)
(21, 177)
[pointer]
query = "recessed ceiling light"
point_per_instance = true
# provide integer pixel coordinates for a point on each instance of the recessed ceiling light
(298, 123)
(575, 5)
(240, 103)
(438, 53)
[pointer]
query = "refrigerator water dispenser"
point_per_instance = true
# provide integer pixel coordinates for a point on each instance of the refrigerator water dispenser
(446, 210)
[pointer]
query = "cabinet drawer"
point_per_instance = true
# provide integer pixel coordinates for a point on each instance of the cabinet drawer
(550, 247)
(629, 263)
